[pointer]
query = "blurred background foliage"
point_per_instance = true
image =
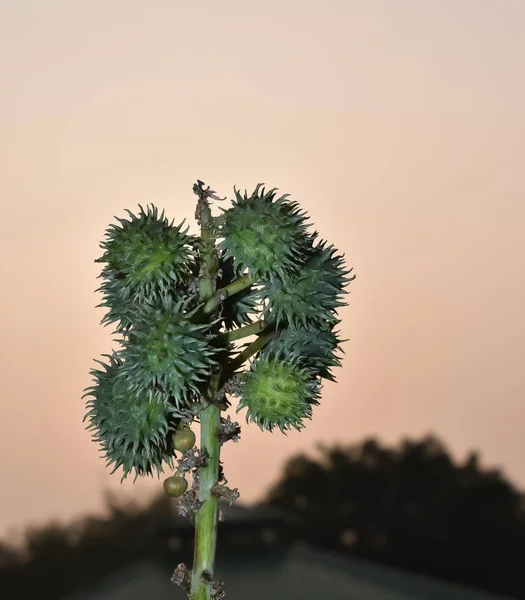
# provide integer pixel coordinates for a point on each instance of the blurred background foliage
(410, 506)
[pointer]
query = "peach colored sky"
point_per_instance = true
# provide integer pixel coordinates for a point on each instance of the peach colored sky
(399, 125)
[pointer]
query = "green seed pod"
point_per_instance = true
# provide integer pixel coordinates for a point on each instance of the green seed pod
(311, 297)
(132, 428)
(165, 350)
(183, 439)
(315, 348)
(279, 393)
(145, 258)
(263, 234)
(121, 311)
(175, 486)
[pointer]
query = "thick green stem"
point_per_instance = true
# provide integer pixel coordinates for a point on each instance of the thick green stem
(210, 262)
(206, 518)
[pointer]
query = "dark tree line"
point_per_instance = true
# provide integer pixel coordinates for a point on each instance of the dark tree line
(411, 507)
(58, 559)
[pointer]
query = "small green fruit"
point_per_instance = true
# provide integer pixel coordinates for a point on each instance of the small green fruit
(184, 439)
(175, 486)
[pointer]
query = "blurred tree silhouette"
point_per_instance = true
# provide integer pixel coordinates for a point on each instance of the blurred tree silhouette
(411, 507)
(57, 559)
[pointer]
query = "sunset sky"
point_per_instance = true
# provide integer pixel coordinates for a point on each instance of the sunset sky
(398, 125)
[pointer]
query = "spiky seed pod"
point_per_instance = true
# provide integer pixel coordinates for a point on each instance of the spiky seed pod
(315, 348)
(145, 257)
(242, 307)
(310, 298)
(166, 350)
(279, 393)
(124, 309)
(121, 310)
(134, 429)
(263, 234)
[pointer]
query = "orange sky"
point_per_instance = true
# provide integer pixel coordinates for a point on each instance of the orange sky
(398, 125)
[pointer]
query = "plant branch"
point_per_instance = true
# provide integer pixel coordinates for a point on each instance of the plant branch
(229, 290)
(241, 332)
(249, 351)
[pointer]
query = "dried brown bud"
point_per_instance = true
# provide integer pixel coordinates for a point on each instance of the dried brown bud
(192, 459)
(182, 577)
(216, 586)
(228, 430)
(221, 491)
(189, 505)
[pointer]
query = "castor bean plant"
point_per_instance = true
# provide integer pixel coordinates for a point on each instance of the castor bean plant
(180, 305)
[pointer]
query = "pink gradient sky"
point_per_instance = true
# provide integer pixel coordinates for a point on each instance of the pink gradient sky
(400, 127)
